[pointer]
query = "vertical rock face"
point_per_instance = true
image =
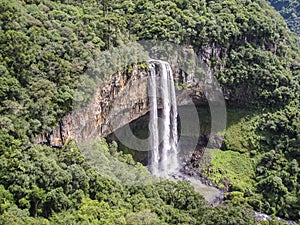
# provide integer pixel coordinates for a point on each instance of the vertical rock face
(120, 99)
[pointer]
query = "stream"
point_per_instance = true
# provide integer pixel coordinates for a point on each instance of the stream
(214, 196)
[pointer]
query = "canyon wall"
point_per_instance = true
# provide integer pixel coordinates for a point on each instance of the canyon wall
(121, 99)
(117, 101)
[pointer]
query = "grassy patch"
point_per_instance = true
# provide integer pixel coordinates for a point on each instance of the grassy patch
(235, 164)
(230, 165)
(240, 133)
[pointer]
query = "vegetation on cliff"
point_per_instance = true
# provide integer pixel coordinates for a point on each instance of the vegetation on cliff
(46, 46)
(259, 162)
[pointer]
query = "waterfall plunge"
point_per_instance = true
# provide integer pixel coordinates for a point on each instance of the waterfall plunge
(163, 143)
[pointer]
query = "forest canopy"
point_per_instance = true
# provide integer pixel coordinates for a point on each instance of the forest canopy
(45, 48)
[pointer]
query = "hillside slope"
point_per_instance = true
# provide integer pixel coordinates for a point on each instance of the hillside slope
(45, 48)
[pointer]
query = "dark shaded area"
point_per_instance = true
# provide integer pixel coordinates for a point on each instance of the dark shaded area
(140, 129)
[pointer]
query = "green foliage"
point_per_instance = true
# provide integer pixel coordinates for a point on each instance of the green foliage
(231, 170)
(278, 183)
(245, 42)
(277, 171)
(46, 47)
(229, 214)
(281, 131)
(59, 185)
(240, 132)
(90, 212)
(40, 182)
(145, 217)
(260, 160)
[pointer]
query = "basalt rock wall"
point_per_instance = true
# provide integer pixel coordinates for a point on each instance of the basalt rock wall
(119, 100)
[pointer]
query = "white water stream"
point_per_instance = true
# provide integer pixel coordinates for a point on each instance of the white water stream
(164, 138)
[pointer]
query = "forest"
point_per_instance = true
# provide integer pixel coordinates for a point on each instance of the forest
(290, 10)
(47, 45)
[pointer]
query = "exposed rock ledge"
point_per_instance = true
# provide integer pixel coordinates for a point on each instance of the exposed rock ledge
(118, 101)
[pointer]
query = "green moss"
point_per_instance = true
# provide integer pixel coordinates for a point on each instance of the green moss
(183, 86)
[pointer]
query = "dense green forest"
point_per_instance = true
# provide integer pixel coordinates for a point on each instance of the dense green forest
(46, 46)
(290, 10)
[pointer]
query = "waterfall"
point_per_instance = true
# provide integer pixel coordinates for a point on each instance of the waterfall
(163, 159)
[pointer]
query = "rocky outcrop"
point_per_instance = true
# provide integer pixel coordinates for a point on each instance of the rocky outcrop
(121, 99)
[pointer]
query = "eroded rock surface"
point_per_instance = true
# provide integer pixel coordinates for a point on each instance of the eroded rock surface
(121, 99)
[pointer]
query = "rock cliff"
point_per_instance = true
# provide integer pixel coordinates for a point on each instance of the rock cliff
(119, 100)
